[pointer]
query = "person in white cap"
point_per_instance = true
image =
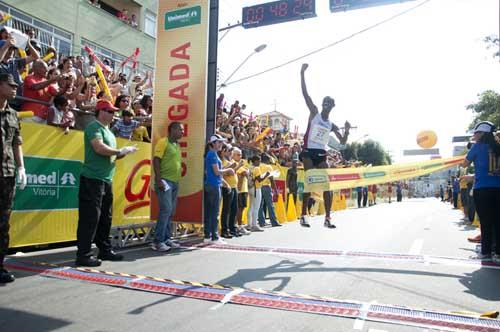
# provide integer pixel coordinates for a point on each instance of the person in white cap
(485, 154)
(213, 183)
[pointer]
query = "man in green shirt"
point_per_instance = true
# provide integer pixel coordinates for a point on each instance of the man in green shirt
(95, 194)
(167, 168)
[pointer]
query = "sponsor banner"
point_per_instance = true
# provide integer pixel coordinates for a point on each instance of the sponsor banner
(46, 211)
(52, 184)
(420, 152)
(181, 79)
(182, 17)
(317, 180)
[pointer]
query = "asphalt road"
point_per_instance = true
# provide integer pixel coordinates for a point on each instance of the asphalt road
(417, 226)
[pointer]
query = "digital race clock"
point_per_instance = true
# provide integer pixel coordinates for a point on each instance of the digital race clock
(278, 12)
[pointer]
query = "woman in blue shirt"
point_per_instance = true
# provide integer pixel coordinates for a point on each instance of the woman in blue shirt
(213, 183)
(485, 154)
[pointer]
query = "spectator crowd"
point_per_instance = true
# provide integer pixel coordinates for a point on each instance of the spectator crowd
(62, 91)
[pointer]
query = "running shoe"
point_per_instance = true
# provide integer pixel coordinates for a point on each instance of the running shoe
(161, 247)
(328, 223)
(304, 221)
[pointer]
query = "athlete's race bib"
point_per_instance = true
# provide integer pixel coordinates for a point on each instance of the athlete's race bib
(320, 135)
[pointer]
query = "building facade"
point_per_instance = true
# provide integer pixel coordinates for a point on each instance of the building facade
(70, 25)
(276, 120)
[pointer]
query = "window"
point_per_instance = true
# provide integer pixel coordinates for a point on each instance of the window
(115, 59)
(150, 24)
(46, 35)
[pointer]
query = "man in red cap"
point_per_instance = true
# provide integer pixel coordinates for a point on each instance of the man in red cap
(95, 194)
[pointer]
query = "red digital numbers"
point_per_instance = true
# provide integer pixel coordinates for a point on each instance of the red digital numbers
(279, 9)
(301, 6)
(274, 9)
(278, 12)
(255, 14)
(283, 10)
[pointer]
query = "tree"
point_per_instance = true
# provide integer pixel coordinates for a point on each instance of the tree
(370, 152)
(493, 42)
(486, 109)
(351, 151)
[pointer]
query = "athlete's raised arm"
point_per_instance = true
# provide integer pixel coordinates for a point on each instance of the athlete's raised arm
(313, 110)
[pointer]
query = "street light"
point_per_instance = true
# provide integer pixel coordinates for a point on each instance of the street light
(255, 51)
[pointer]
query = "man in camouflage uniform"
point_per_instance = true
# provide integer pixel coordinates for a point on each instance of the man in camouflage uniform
(11, 154)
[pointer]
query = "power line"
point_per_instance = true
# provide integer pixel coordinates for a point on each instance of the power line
(332, 44)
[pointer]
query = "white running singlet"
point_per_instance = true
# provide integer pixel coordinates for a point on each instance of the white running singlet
(317, 134)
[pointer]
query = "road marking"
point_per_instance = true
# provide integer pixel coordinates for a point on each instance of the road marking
(268, 299)
(359, 323)
(416, 247)
(374, 330)
(227, 298)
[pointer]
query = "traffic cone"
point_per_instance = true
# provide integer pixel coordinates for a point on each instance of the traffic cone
(476, 221)
(343, 204)
(280, 209)
(321, 207)
(298, 207)
(291, 213)
(244, 216)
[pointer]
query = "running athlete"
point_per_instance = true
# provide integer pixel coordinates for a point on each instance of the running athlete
(315, 140)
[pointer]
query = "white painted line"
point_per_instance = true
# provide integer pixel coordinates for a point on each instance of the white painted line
(227, 298)
(373, 330)
(416, 247)
(359, 323)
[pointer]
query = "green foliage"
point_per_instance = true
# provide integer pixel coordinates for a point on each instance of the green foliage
(493, 42)
(486, 109)
(369, 152)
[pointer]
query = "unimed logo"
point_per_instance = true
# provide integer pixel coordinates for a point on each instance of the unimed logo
(183, 17)
(52, 184)
(49, 184)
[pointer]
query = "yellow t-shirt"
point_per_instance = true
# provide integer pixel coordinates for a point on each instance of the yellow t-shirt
(256, 172)
(243, 183)
(170, 159)
(232, 180)
(263, 169)
(140, 133)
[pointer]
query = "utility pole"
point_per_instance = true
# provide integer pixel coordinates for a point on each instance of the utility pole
(212, 67)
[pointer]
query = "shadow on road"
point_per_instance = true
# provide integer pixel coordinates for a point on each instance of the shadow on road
(16, 320)
(244, 276)
(482, 283)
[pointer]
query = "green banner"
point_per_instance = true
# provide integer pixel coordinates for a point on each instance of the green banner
(52, 185)
(182, 17)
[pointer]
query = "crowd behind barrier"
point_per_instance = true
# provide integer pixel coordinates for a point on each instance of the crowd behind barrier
(63, 92)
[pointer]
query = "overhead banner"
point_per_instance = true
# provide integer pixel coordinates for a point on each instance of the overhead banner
(343, 178)
(180, 95)
(46, 211)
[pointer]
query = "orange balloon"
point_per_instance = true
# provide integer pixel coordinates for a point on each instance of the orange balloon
(426, 139)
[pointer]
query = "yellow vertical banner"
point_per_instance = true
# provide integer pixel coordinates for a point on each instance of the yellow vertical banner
(180, 94)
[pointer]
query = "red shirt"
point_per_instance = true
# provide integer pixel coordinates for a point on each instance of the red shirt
(44, 94)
